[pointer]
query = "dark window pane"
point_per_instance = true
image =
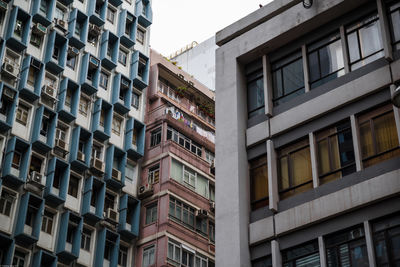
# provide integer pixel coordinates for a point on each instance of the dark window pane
(293, 77)
(314, 66)
(352, 42)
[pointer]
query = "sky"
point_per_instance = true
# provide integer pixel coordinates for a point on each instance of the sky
(177, 23)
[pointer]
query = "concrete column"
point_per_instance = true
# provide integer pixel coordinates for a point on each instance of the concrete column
(396, 112)
(305, 68)
(384, 25)
(322, 255)
(356, 142)
(314, 163)
(344, 49)
(370, 244)
(276, 254)
(272, 176)
(268, 90)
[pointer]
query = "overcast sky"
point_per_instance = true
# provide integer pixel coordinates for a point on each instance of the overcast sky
(177, 23)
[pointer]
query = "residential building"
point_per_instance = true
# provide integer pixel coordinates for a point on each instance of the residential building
(71, 130)
(308, 140)
(177, 182)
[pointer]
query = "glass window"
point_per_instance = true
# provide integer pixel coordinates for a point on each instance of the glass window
(287, 78)
(148, 256)
(84, 104)
(122, 57)
(141, 67)
(6, 202)
(378, 136)
(294, 169)
(130, 172)
(71, 61)
(73, 186)
(347, 248)
(151, 213)
(123, 256)
(117, 125)
(155, 138)
(47, 222)
(36, 40)
(140, 36)
(259, 183)
(182, 140)
(174, 251)
(302, 255)
(263, 262)
(110, 14)
(85, 239)
(255, 93)
(364, 41)
(181, 212)
(335, 152)
(59, 13)
(43, 8)
(154, 174)
(22, 114)
(135, 100)
(394, 15)
(20, 258)
(325, 60)
(104, 80)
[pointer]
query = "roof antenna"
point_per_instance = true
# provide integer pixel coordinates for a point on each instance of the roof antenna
(307, 3)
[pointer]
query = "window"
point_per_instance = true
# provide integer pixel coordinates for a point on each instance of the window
(85, 239)
(18, 28)
(144, 8)
(50, 80)
(364, 41)
(20, 258)
(78, 29)
(123, 256)
(325, 60)
(303, 255)
(6, 202)
(287, 78)
(259, 183)
(335, 152)
(110, 201)
(122, 56)
(151, 213)
(43, 8)
(141, 67)
(32, 76)
(116, 125)
(22, 114)
(130, 172)
(110, 14)
(394, 14)
(73, 186)
(62, 132)
(386, 235)
(97, 151)
(181, 212)
(154, 174)
(210, 156)
(104, 80)
(140, 36)
(211, 231)
(71, 61)
(347, 248)
(31, 213)
(174, 251)
(71, 232)
(56, 53)
(16, 162)
(155, 138)
(36, 40)
(148, 256)
(263, 262)
(84, 104)
(189, 177)
(182, 140)
(255, 92)
(135, 100)
(378, 136)
(187, 258)
(294, 169)
(47, 222)
(68, 98)
(44, 127)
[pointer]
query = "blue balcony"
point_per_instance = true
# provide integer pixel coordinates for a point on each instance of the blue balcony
(96, 10)
(102, 119)
(127, 28)
(42, 11)
(44, 127)
(115, 167)
(31, 77)
(56, 52)
(68, 100)
(8, 97)
(89, 75)
(107, 248)
(143, 12)
(93, 199)
(77, 29)
(7, 245)
(16, 160)
(121, 94)
(56, 181)
(129, 216)
(17, 32)
(140, 66)
(134, 138)
(69, 236)
(42, 258)
(29, 218)
(80, 149)
(109, 48)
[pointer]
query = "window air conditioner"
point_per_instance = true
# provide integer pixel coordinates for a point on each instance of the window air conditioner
(35, 63)
(49, 91)
(10, 69)
(98, 165)
(116, 174)
(145, 191)
(8, 93)
(201, 213)
(124, 83)
(112, 215)
(39, 29)
(73, 51)
(61, 144)
(81, 156)
(36, 177)
(94, 62)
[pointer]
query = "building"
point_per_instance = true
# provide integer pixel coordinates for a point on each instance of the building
(199, 61)
(177, 183)
(307, 138)
(71, 130)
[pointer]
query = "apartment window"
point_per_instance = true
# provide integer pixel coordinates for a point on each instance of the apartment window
(97, 151)
(117, 125)
(20, 258)
(22, 114)
(123, 256)
(141, 67)
(378, 136)
(294, 169)
(154, 174)
(70, 233)
(155, 138)
(78, 29)
(71, 61)
(43, 8)
(110, 14)
(287, 78)
(31, 76)
(123, 56)
(259, 183)
(59, 13)
(140, 36)
(151, 213)
(181, 212)
(135, 100)
(18, 28)
(73, 186)
(62, 132)
(84, 104)
(174, 251)
(189, 177)
(36, 40)
(148, 256)
(394, 14)
(44, 127)
(211, 231)
(364, 41)
(109, 201)
(303, 255)
(30, 215)
(7, 200)
(210, 156)
(182, 140)
(263, 262)
(255, 93)
(47, 222)
(335, 152)
(144, 8)
(347, 248)
(386, 235)
(56, 53)
(68, 98)
(130, 172)
(325, 60)
(16, 162)
(86, 239)
(104, 80)
(50, 80)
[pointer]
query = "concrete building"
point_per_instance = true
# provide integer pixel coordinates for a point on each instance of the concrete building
(71, 130)
(199, 61)
(177, 184)
(308, 140)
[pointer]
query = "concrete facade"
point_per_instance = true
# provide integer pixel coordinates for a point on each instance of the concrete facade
(247, 236)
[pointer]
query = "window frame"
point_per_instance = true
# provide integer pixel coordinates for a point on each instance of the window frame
(152, 211)
(150, 251)
(156, 137)
(153, 175)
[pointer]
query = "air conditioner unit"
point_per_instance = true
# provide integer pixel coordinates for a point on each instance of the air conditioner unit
(112, 215)
(94, 30)
(3, 6)
(94, 62)
(60, 23)
(212, 206)
(36, 177)
(81, 156)
(49, 91)
(201, 213)
(98, 165)
(356, 234)
(35, 63)
(145, 191)
(73, 51)
(9, 93)
(61, 144)
(124, 83)
(116, 174)
(39, 29)
(10, 69)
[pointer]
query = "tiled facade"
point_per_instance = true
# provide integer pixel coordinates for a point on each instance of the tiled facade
(73, 75)
(177, 182)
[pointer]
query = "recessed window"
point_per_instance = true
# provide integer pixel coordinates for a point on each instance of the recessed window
(259, 182)
(73, 186)
(18, 28)
(154, 174)
(20, 258)
(47, 222)
(148, 256)
(181, 212)
(59, 13)
(185, 142)
(110, 14)
(255, 92)
(302, 255)
(86, 239)
(117, 125)
(36, 40)
(104, 77)
(16, 162)
(141, 68)
(84, 105)
(22, 114)
(140, 36)
(135, 100)
(71, 61)
(7, 201)
(151, 213)
(122, 56)
(394, 13)
(155, 138)
(123, 256)
(263, 262)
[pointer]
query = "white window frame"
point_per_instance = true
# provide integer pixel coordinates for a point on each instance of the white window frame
(147, 252)
(104, 79)
(12, 202)
(82, 110)
(23, 110)
(111, 14)
(115, 127)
